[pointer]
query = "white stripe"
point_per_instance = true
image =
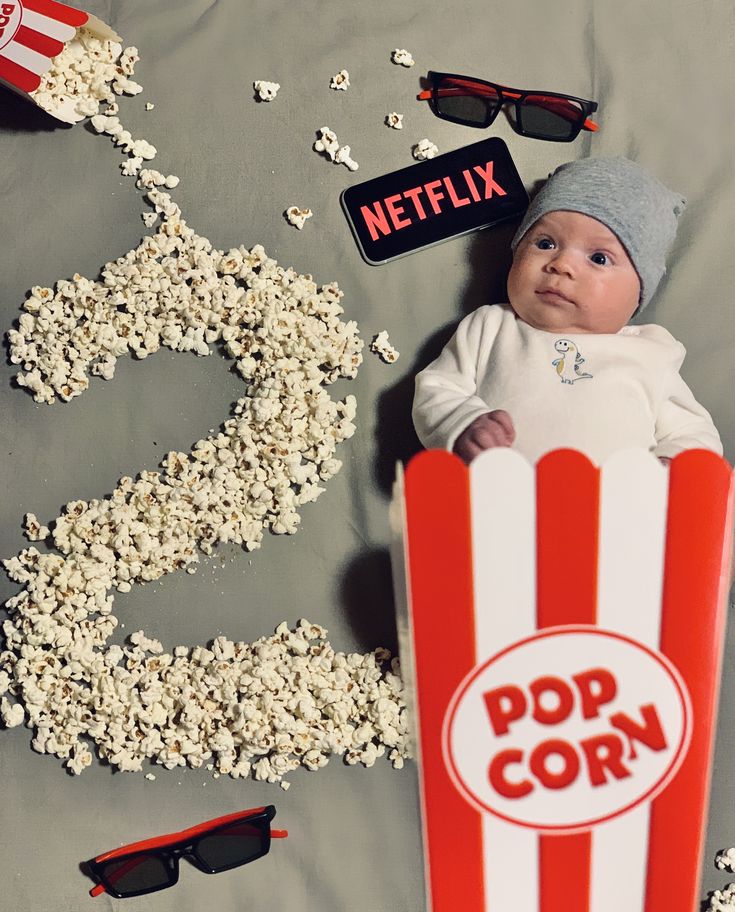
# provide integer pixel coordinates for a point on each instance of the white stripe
(503, 497)
(511, 860)
(46, 26)
(633, 502)
(633, 497)
(619, 863)
(27, 58)
(503, 505)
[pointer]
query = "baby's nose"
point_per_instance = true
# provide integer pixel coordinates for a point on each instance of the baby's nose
(562, 262)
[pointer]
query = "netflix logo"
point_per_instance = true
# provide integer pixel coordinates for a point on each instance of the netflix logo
(432, 193)
(427, 203)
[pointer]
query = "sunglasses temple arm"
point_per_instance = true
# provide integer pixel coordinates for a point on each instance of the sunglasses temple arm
(426, 96)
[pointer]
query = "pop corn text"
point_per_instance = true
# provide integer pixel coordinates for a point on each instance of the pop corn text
(557, 762)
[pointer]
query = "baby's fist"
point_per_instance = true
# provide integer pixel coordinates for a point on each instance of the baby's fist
(493, 429)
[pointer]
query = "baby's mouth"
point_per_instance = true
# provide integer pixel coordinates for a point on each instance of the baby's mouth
(553, 296)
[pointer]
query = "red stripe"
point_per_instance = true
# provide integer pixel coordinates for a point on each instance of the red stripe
(44, 44)
(564, 873)
(440, 574)
(18, 76)
(696, 583)
(567, 503)
(58, 11)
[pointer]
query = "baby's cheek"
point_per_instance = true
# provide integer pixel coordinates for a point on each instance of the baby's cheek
(517, 279)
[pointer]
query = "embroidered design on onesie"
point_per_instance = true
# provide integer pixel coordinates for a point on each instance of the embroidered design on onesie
(568, 367)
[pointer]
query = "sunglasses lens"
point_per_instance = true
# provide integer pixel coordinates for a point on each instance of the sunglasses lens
(465, 101)
(137, 874)
(548, 117)
(233, 845)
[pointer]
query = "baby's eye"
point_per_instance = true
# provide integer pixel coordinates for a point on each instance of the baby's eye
(544, 243)
(601, 259)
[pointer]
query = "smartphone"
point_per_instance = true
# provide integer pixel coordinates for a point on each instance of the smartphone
(433, 201)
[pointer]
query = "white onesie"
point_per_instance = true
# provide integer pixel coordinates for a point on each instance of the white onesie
(593, 392)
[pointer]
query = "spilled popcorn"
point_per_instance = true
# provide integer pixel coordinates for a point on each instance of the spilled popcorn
(297, 217)
(328, 145)
(176, 290)
(268, 460)
(344, 157)
(394, 120)
(340, 81)
(266, 91)
(722, 900)
(33, 529)
(381, 346)
(139, 150)
(402, 57)
(258, 709)
(88, 71)
(424, 149)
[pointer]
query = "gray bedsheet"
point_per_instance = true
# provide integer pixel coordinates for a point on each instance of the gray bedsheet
(662, 73)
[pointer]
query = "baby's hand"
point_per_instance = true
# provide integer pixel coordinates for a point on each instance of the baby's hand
(494, 429)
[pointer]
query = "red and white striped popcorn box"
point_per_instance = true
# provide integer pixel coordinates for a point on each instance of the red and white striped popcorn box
(566, 625)
(32, 33)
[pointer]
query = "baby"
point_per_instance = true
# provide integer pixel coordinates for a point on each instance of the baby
(559, 366)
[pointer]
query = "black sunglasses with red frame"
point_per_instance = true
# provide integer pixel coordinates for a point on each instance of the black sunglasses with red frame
(538, 114)
(217, 845)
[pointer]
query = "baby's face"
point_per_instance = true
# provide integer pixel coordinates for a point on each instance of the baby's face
(571, 274)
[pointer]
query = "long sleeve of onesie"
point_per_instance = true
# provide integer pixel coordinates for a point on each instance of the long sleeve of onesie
(446, 399)
(682, 423)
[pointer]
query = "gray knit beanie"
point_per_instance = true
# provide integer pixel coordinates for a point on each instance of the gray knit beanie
(622, 195)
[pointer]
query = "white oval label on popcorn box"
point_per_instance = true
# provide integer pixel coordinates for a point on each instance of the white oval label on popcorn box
(10, 16)
(567, 729)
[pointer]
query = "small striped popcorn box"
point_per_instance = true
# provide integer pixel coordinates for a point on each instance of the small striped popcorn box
(32, 33)
(563, 635)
